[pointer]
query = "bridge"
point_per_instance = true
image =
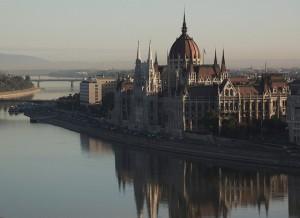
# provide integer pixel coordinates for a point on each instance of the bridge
(38, 81)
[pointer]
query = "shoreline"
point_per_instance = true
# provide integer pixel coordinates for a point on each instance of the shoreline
(229, 151)
(18, 93)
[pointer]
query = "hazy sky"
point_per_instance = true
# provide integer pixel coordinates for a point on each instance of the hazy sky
(107, 31)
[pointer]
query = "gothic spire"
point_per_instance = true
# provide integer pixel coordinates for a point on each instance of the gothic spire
(156, 61)
(138, 54)
(216, 60)
(223, 67)
(184, 28)
(150, 52)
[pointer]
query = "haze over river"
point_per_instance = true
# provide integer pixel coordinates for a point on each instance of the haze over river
(50, 172)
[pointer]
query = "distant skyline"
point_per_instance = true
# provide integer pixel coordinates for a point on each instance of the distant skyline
(105, 33)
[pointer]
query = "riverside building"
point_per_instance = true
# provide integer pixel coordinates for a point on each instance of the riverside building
(174, 98)
(89, 92)
(92, 90)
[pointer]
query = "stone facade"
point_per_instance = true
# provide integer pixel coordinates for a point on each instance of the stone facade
(174, 98)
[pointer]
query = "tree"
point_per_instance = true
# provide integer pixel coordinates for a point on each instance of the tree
(27, 78)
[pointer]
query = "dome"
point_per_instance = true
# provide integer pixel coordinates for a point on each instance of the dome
(185, 46)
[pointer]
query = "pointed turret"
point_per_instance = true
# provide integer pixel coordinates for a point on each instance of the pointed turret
(151, 70)
(216, 60)
(138, 53)
(138, 69)
(156, 61)
(150, 53)
(184, 28)
(223, 67)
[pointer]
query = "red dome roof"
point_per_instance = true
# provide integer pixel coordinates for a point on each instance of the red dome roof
(185, 46)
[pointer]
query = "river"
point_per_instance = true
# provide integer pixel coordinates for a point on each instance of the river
(50, 172)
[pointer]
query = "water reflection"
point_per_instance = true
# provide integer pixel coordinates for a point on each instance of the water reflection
(294, 196)
(192, 189)
(94, 146)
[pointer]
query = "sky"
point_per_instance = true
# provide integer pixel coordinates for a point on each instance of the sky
(101, 31)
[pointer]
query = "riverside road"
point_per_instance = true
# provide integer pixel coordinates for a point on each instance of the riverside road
(224, 150)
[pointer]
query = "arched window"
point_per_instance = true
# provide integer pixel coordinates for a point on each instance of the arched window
(231, 92)
(226, 92)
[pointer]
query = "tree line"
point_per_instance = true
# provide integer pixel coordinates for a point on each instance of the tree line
(14, 83)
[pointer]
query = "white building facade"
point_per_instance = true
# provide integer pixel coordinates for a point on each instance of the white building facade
(92, 90)
(89, 92)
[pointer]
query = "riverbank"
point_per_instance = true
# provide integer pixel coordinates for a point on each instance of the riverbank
(18, 93)
(215, 149)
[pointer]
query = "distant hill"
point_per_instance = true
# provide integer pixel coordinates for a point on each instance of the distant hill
(25, 63)
(15, 62)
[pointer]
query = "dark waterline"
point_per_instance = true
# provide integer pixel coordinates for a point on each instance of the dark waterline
(47, 171)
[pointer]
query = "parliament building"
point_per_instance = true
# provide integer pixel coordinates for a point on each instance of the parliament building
(173, 98)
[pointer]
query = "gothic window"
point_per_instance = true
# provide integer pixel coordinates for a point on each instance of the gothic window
(226, 106)
(231, 92)
(236, 105)
(259, 106)
(226, 92)
(266, 106)
(247, 106)
(284, 103)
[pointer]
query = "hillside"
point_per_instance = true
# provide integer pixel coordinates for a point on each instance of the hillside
(14, 62)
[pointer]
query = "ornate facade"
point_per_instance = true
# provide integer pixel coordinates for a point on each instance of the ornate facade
(174, 98)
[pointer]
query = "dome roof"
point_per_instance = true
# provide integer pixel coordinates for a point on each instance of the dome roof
(185, 46)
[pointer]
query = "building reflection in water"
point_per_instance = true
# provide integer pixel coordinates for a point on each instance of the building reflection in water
(192, 189)
(94, 146)
(294, 196)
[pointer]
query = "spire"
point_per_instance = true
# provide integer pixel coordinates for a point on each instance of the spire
(266, 68)
(223, 67)
(150, 52)
(138, 55)
(184, 28)
(216, 60)
(156, 61)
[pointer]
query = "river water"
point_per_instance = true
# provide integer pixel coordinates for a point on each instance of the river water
(47, 171)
